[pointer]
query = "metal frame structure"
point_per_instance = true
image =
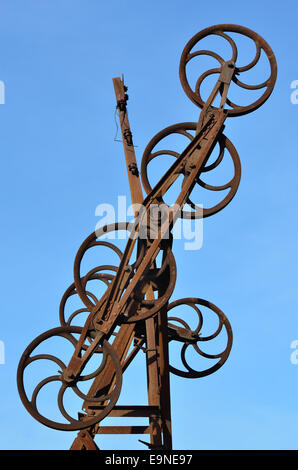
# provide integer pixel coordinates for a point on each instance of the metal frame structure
(133, 314)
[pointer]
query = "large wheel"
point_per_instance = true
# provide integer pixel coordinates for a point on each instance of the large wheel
(195, 346)
(223, 30)
(55, 413)
(224, 148)
(161, 278)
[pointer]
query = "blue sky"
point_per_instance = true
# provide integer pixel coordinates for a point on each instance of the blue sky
(59, 161)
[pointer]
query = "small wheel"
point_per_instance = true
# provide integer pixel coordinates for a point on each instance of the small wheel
(60, 417)
(226, 147)
(221, 30)
(194, 346)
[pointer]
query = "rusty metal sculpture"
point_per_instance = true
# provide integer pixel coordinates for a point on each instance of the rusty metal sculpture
(133, 312)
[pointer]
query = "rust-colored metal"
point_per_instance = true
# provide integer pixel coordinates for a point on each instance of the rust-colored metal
(128, 311)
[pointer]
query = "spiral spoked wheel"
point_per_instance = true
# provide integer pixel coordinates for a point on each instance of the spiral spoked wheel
(223, 30)
(225, 150)
(55, 412)
(161, 279)
(194, 346)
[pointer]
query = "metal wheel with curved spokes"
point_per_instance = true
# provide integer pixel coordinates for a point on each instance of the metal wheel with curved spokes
(223, 30)
(195, 345)
(55, 413)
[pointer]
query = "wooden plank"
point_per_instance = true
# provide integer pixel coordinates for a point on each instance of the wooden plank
(138, 411)
(124, 430)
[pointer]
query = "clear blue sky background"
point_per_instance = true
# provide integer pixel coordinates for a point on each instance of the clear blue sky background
(59, 161)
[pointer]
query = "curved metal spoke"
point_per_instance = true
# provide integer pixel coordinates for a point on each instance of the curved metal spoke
(204, 52)
(253, 62)
(53, 378)
(61, 407)
(232, 44)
